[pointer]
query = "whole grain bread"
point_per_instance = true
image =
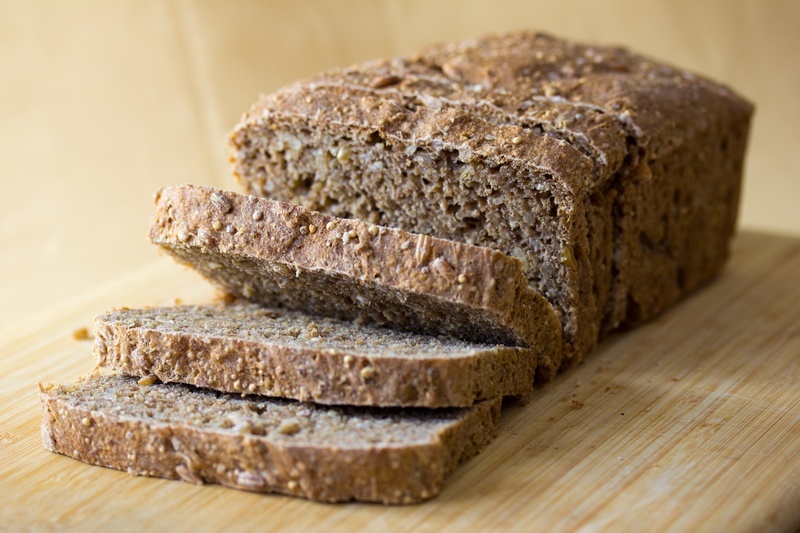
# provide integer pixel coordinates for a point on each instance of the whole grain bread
(614, 177)
(244, 348)
(283, 255)
(321, 453)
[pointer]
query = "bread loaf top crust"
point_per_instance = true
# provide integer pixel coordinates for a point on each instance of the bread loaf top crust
(508, 97)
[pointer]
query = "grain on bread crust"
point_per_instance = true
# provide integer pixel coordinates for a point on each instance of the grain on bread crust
(321, 453)
(283, 255)
(616, 177)
(244, 348)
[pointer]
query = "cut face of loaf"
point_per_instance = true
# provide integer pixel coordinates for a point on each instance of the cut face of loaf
(615, 178)
(248, 349)
(283, 255)
(264, 445)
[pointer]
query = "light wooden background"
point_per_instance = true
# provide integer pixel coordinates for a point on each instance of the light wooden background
(103, 102)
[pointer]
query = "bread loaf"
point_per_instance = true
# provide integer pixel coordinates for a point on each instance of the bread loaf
(614, 178)
(247, 349)
(283, 255)
(321, 453)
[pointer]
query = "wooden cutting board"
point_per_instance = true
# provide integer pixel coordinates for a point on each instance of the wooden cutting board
(690, 423)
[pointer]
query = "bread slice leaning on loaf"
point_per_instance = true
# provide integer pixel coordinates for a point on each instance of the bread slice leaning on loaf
(327, 454)
(283, 255)
(245, 348)
(614, 177)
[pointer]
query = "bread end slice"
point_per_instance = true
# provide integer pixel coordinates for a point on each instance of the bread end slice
(264, 445)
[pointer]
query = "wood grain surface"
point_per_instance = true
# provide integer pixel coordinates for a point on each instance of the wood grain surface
(102, 103)
(690, 423)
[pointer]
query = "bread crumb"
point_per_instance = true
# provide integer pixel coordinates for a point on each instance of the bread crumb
(442, 267)
(567, 258)
(343, 155)
(289, 426)
(146, 381)
(81, 334)
(516, 140)
(385, 81)
(221, 203)
(349, 235)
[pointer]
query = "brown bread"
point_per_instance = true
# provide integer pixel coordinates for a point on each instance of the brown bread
(321, 453)
(247, 349)
(283, 255)
(614, 177)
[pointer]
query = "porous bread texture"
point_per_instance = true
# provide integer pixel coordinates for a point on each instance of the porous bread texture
(614, 177)
(244, 348)
(283, 255)
(327, 454)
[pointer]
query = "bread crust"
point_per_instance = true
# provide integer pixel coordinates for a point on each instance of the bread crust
(176, 432)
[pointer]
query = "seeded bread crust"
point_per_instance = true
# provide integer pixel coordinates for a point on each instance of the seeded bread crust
(617, 178)
(264, 445)
(247, 349)
(283, 255)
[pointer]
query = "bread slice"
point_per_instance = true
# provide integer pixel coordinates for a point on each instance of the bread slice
(615, 178)
(245, 348)
(283, 255)
(265, 445)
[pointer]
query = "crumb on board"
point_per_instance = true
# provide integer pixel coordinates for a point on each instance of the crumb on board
(81, 334)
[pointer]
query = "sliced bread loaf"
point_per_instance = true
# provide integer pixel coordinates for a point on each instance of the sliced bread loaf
(265, 445)
(616, 178)
(281, 254)
(245, 348)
